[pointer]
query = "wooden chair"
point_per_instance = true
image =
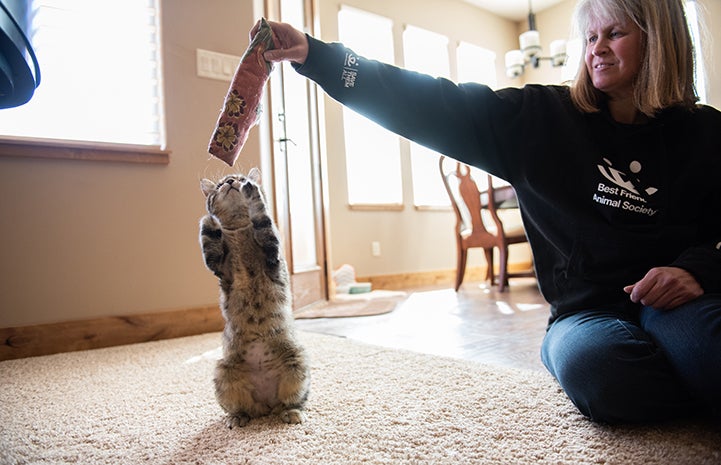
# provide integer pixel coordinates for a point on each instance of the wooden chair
(478, 223)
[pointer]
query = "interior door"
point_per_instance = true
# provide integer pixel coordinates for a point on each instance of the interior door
(297, 167)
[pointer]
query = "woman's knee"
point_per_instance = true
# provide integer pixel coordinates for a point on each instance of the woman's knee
(690, 336)
(606, 365)
(586, 371)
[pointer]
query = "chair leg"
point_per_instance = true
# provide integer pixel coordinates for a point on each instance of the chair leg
(503, 272)
(461, 266)
(490, 272)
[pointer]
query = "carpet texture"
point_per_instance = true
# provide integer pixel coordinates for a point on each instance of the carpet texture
(153, 403)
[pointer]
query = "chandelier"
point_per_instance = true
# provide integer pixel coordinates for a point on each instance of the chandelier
(530, 52)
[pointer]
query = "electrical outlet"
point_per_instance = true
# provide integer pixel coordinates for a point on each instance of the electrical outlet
(215, 65)
(376, 249)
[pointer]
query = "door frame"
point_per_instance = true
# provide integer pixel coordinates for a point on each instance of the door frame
(312, 285)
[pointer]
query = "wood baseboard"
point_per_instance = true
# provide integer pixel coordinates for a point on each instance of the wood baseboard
(46, 339)
(405, 281)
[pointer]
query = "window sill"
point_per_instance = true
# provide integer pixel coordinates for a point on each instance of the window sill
(395, 207)
(433, 208)
(80, 150)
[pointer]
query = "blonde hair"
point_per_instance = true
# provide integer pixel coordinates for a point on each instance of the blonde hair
(666, 76)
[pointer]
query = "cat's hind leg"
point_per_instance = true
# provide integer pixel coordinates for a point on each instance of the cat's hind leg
(292, 416)
(234, 393)
(293, 390)
(238, 419)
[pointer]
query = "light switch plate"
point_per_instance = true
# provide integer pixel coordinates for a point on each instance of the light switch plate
(216, 65)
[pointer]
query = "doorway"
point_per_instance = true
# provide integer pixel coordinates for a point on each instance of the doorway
(296, 162)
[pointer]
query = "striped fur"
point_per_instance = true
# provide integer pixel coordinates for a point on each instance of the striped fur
(264, 369)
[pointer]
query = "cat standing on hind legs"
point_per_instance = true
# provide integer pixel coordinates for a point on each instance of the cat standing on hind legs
(264, 369)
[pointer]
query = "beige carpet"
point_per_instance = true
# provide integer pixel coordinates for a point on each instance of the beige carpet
(153, 403)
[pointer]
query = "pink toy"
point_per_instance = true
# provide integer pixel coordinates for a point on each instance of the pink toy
(242, 103)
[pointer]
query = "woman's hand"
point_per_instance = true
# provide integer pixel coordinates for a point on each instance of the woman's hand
(665, 288)
(292, 43)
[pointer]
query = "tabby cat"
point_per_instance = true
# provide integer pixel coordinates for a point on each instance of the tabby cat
(264, 369)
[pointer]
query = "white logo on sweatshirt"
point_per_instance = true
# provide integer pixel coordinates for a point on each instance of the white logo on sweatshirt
(350, 70)
(627, 192)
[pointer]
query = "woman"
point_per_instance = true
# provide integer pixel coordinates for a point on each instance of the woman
(618, 182)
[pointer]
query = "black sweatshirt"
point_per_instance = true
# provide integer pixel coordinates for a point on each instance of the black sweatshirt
(602, 202)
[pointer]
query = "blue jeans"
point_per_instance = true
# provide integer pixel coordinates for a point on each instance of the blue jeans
(652, 366)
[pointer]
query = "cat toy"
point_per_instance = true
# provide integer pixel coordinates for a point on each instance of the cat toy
(241, 107)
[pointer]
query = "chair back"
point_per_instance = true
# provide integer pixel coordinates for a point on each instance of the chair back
(469, 204)
(478, 223)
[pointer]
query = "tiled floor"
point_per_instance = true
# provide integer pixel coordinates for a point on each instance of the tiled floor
(477, 323)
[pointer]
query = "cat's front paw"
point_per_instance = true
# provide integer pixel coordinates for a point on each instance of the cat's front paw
(292, 416)
(211, 243)
(238, 419)
(210, 230)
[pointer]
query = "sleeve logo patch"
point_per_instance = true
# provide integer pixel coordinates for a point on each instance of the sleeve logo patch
(350, 70)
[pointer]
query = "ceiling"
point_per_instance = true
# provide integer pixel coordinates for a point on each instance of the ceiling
(516, 10)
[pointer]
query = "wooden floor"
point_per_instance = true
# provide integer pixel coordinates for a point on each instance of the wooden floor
(477, 323)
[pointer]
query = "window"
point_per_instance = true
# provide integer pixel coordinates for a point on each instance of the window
(574, 59)
(476, 64)
(692, 16)
(100, 65)
(373, 163)
(426, 52)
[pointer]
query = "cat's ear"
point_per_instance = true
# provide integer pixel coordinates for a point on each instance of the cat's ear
(254, 175)
(207, 186)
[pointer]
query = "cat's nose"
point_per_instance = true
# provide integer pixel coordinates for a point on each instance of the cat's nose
(233, 184)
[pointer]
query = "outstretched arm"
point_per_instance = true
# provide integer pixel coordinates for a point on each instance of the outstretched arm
(469, 122)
